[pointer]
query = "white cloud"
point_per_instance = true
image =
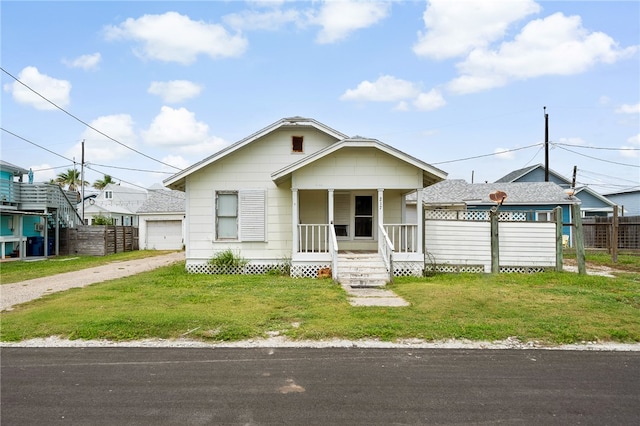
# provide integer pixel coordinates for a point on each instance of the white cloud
(631, 151)
(385, 89)
(555, 45)
(101, 150)
(179, 128)
(174, 91)
(429, 101)
(173, 37)
(57, 91)
(504, 154)
(454, 28)
(629, 109)
(339, 19)
(86, 62)
(251, 20)
(635, 140)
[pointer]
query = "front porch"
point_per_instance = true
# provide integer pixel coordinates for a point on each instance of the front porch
(355, 224)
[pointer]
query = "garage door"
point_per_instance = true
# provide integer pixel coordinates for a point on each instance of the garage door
(164, 235)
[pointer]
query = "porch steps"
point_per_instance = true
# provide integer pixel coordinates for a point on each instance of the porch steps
(361, 270)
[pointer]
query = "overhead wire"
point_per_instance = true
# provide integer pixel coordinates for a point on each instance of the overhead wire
(485, 155)
(85, 123)
(599, 159)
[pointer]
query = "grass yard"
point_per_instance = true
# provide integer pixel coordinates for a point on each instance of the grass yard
(15, 270)
(168, 303)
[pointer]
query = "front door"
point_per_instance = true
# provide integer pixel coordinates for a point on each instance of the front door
(363, 220)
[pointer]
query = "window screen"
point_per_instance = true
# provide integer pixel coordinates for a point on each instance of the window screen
(227, 215)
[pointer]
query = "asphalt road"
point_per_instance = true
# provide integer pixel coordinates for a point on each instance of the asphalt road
(305, 386)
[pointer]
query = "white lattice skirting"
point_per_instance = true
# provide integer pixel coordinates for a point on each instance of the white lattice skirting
(310, 270)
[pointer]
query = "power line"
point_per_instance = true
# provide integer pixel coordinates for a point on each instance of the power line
(86, 124)
(132, 169)
(486, 155)
(594, 147)
(35, 144)
(600, 159)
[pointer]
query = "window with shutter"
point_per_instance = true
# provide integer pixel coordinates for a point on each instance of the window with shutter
(252, 215)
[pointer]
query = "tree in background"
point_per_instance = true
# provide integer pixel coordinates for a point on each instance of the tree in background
(70, 179)
(101, 183)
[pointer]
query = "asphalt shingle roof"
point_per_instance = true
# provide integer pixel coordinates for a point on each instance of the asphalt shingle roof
(163, 201)
(457, 191)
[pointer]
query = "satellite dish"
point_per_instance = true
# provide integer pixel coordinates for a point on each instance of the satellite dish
(498, 197)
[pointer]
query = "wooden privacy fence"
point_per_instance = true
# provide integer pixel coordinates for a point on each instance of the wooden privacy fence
(98, 240)
(464, 241)
(601, 232)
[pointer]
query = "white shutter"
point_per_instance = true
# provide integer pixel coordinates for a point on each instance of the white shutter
(252, 215)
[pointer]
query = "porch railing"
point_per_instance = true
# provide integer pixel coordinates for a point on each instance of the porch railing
(385, 248)
(313, 238)
(403, 237)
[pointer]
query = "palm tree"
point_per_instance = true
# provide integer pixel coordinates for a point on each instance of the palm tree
(70, 178)
(101, 183)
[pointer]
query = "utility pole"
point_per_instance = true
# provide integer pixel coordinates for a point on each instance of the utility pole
(546, 145)
(82, 180)
(573, 180)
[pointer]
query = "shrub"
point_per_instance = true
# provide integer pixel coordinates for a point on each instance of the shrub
(227, 261)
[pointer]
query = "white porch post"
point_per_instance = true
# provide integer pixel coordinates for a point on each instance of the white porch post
(330, 203)
(381, 207)
(294, 219)
(420, 220)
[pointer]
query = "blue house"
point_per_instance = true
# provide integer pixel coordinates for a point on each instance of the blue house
(629, 201)
(32, 213)
(530, 201)
(592, 203)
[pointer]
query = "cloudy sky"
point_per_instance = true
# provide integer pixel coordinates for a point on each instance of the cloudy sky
(152, 87)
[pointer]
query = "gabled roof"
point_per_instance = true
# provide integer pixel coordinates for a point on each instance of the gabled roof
(359, 142)
(459, 192)
(285, 122)
(163, 201)
(16, 170)
(517, 174)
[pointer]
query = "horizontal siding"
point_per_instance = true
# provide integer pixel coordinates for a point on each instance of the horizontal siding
(531, 244)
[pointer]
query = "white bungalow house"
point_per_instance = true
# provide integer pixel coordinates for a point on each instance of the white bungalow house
(303, 193)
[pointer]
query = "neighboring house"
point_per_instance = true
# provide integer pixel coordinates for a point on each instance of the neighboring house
(628, 201)
(531, 201)
(117, 202)
(161, 220)
(592, 203)
(294, 191)
(32, 213)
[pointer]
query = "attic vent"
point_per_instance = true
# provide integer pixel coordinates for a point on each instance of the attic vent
(296, 143)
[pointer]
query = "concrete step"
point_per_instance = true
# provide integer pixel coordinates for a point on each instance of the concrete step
(361, 270)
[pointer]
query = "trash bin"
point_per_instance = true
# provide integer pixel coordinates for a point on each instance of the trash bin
(35, 246)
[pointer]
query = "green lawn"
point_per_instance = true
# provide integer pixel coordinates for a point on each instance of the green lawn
(168, 303)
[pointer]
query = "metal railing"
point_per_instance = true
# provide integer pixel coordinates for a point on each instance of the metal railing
(403, 236)
(385, 248)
